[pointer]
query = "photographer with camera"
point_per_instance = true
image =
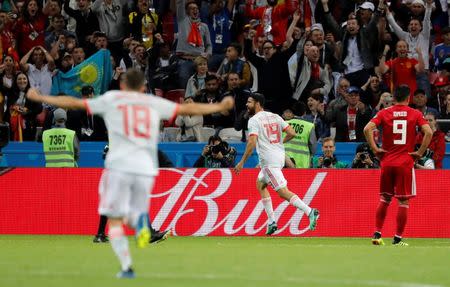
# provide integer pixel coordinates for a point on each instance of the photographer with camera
(328, 159)
(216, 154)
(364, 157)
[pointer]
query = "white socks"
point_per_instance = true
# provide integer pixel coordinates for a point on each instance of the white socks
(267, 202)
(297, 202)
(119, 244)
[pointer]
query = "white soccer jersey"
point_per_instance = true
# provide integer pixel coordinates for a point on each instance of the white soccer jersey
(269, 128)
(132, 120)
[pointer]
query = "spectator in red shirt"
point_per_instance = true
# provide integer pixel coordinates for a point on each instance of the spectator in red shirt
(437, 144)
(30, 28)
(403, 68)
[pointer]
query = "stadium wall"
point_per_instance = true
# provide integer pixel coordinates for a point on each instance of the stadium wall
(217, 202)
(30, 154)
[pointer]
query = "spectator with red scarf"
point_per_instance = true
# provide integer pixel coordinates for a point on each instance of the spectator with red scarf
(273, 18)
(30, 28)
(193, 39)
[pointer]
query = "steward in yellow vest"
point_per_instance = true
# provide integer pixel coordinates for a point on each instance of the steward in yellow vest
(302, 147)
(61, 146)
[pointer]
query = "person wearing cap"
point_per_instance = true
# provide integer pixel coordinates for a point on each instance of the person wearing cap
(420, 103)
(61, 146)
(365, 12)
(358, 50)
(351, 118)
(66, 62)
(326, 50)
(418, 39)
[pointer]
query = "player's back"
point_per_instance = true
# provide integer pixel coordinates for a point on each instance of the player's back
(399, 128)
(269, 128)
(133, 122)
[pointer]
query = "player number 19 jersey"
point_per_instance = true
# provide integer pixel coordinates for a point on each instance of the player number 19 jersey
(268, 127)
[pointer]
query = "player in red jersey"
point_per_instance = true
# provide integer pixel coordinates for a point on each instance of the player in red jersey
(398, 124)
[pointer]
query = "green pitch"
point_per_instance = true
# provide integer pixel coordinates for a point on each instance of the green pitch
(62, 261)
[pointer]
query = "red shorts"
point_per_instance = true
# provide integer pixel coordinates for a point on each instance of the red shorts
(398, 181)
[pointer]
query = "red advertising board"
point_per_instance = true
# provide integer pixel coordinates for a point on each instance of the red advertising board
(217, 202)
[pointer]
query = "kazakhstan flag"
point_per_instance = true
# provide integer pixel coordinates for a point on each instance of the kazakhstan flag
(95, 71)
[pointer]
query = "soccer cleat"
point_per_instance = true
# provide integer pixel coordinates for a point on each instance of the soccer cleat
(100, 238)
(159, 236)
(128, 274)
(400, 243)
(376, 239)
(143, 233)
(271, 228)
(313, 217)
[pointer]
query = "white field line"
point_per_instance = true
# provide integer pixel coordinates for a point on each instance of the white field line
(212, 276)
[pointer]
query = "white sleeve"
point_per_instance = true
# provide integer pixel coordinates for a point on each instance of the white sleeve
(253, 128)
(98, 105)
(283, 123)
(167, 109)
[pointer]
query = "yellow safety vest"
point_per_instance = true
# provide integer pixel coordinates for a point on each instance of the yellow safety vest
(298, 148)
(58, 147)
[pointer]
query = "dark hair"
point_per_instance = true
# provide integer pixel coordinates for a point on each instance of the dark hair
(419, 92)
(87, 90)
(210, 77)
(401, 93)
(237, 47)
(259, 98)
(190, 3)
(317, 97)
(27, 15)
(299, 108)
(213, 139)
(271, 42)
(134, 79)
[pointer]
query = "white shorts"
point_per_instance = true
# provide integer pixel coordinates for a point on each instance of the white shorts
(273, 176)
(124, 194)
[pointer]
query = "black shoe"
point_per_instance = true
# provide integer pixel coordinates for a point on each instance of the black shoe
(100, 238)
(158, 236)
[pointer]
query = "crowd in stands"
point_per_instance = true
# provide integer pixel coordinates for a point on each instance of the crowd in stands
(339, 60)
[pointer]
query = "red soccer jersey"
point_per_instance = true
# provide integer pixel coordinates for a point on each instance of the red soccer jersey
(399, 125)
(403, 72)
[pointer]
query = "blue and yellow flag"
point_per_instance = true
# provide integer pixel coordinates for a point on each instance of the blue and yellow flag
(95, 71)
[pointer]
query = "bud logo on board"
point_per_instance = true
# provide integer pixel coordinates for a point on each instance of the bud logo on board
(217, 205)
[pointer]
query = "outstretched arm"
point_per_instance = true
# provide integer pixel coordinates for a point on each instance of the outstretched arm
(66, 102)
(203, 109)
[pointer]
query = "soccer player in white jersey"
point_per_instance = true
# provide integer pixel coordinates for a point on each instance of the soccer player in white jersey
(265, 133)
(132, 119)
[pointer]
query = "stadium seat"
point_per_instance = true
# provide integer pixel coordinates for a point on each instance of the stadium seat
(230, 135)
(206, 133)
(170, 134)
(175, 95)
